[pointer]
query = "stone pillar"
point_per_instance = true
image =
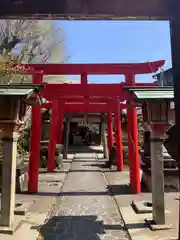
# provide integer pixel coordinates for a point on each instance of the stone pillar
(157, 180)
(8, 180)
(104, 138)
(66, 138)
(147, 144)
(157, 172)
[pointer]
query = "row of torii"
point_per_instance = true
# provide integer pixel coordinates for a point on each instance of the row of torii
(84, 97)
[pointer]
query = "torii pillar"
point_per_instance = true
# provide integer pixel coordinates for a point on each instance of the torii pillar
(53, 136)
(133, 148)
(118, 132)
(110, 130)
(35, 137)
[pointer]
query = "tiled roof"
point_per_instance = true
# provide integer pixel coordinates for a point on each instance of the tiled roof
(155, 93)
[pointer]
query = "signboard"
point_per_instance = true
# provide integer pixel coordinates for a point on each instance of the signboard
(88, 9)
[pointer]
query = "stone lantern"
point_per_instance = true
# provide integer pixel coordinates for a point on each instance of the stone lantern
(13, 102)
(156, 115)
(155, 103)
(156, 121)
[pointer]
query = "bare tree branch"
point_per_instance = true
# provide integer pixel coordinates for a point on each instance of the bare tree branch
(26, 41)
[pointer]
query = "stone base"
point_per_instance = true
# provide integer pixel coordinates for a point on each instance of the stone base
(156, 227)
(21, 177)
(22, 183)
(141, 207)
(59, 162)
(171, 183)
(21, 208)
(11, 229)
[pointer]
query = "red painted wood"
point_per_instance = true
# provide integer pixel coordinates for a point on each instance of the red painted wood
(133, 148)
(118, 132)
(54, 91)
(130, 146)
(81, 100)
(89, 107)
(53, 136)
(84, 78)
(110, 130)
(97, 68)
(130, 79)
(136, 186)
(35, 136)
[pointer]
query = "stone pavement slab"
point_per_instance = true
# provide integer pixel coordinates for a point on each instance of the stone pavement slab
(119, 185)
(48, 188)
(85, 156)
(86, 209)
(28, 228)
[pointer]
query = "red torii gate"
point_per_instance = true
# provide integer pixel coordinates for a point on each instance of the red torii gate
(56, 92)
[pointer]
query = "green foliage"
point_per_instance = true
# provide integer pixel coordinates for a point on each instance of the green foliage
(27, 41)
(23, 142)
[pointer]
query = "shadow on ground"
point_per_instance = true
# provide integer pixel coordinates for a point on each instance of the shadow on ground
(122, 189)
(74, 227)
(72, 194)
(84, 170)
(137, 225)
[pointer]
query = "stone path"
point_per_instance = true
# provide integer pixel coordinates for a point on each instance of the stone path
(86, 211)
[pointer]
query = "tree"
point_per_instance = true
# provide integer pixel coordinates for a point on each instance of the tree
(26, 41)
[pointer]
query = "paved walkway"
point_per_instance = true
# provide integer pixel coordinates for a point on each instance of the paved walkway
(82, 208)
(86, 210)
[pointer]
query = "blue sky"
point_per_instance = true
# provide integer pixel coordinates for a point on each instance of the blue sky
(118, 42)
